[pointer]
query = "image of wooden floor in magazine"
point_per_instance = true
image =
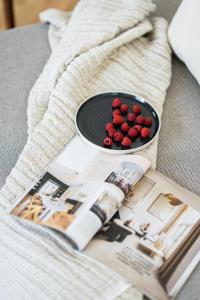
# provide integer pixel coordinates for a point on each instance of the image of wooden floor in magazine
(149, 236)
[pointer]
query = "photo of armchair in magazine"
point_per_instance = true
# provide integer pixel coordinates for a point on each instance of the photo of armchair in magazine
(77, 197)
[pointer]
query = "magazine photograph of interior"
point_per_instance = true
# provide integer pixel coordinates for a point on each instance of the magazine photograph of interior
(125, 174)
(154, 224)
(49, 202)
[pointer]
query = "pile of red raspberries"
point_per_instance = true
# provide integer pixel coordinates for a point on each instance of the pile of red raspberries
(125, 125)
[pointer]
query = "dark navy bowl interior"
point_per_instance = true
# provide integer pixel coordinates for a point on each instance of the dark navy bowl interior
(94, 113)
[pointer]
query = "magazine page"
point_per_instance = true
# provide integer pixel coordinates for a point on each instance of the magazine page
(80, 191)
(154, 238)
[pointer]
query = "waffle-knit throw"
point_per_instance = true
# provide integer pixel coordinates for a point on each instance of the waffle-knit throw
(104, 46)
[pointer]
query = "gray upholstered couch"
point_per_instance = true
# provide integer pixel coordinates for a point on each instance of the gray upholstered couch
(23, 53)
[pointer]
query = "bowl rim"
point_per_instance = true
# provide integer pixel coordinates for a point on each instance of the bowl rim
(114, 151)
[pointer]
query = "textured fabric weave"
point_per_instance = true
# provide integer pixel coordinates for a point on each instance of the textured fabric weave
(105, 45)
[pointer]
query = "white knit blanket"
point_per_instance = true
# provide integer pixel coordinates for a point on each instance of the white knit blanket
(105, 45)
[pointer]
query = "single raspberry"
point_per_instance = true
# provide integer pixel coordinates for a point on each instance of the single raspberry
(124, 127)
(132, 133)
(124, 108)
(136, 109)
(118, 136)
(118, 120)
(116, 112)
(107, 141)
(126, 142)
(145, 132)
(131, 117)
(148, 121)
(139, 120)
(111, 132)
(109, 126)
(138, 128)
(116, 103)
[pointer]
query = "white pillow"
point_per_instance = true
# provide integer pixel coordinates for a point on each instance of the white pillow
(184, 35)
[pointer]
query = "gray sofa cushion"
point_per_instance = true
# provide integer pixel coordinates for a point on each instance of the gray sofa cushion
(179, 142)
(166, 8)
(23, 53)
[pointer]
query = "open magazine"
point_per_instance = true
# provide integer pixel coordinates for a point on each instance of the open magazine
(134, 220)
